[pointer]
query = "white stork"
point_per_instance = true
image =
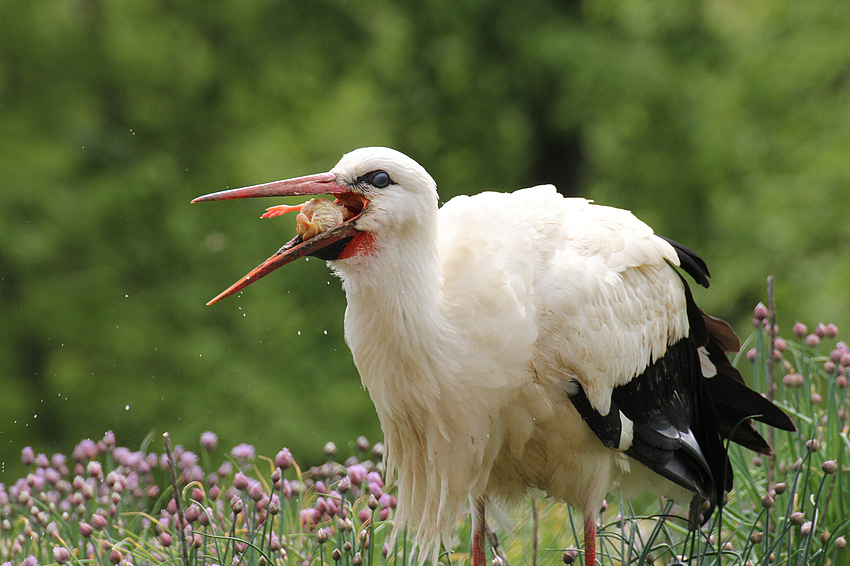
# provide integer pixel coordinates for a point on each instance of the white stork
(523, 340)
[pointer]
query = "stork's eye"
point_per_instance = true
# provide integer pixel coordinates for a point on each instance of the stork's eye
(379, 179)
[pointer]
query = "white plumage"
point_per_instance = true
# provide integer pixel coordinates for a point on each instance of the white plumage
(477, 327)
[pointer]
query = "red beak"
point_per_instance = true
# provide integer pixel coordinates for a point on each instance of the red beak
(320, 184)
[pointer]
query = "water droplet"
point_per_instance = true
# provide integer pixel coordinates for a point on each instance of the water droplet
(299, 333)
(126, 407)
(325, 331)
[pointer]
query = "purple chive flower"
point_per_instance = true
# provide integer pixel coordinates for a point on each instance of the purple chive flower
(283, 460)
(244, 452)
(209, 441)
(255, 492)
(29, 561)
(240, 481)
(86, 530)
(109, 440)
(52, 476)
(98, 521)
(187, 459)
(94, 469)
(165, 539)
(310, 517)
(193, 512)
(206, 517)
(28, 456)
(61, 554)
(274, 504)
(375, 490)
(357, 474)
(225, 469)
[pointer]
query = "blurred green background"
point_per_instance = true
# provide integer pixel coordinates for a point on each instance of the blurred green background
(725, 124)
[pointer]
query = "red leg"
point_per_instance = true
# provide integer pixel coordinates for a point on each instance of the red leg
(589, 541)
(479, 558)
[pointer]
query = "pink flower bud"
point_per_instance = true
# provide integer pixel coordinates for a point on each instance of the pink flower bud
(193, 512)
(98, 521)
(61, 554)
(283, 460)
(256, 492)
(799, 329)
(209, 441)
(760, 312)
(240, 481)
(357, 474)
(85, 530)
(812, 340)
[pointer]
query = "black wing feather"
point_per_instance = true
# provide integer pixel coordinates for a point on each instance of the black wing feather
(681, 417)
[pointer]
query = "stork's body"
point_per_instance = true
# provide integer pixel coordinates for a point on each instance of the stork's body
(524, 340)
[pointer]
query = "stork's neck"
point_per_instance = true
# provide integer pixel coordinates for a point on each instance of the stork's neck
(395, 321)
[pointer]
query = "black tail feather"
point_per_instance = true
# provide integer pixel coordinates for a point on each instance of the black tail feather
(725, 406)
(690, 262)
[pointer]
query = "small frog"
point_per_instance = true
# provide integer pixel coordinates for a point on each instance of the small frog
(314, 216)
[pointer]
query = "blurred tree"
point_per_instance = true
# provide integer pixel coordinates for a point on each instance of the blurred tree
(722, 124)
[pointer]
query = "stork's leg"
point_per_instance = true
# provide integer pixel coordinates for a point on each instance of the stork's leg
(478, 535)
(589, 540)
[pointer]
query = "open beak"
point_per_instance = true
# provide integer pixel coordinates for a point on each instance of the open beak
(331, 241)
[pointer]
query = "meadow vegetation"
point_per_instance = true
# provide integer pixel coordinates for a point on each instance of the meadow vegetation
(108, 504)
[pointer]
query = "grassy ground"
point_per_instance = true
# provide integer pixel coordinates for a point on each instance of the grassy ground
(106, 504)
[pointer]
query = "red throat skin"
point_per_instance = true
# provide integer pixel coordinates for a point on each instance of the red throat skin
(362, 243)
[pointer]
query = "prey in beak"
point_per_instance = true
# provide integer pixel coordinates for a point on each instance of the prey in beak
(324, 228)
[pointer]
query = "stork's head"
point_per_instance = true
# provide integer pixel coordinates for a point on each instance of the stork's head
(384, 194)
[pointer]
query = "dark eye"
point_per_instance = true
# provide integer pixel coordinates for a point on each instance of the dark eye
(379, 179)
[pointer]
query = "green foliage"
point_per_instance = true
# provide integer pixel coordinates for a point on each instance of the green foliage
(723, 124)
